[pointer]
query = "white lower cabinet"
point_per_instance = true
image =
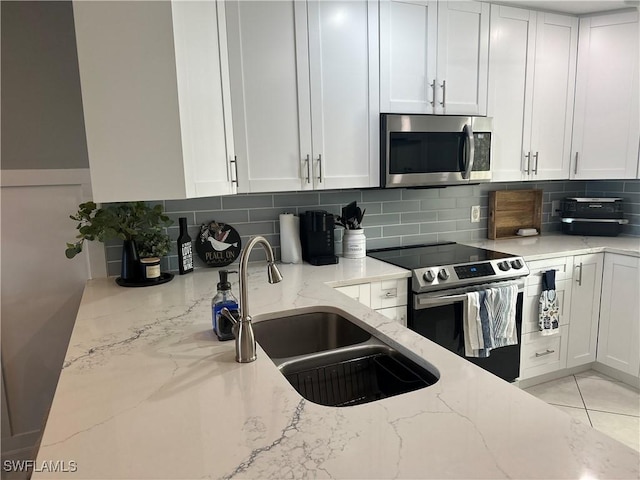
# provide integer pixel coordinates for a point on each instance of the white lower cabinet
(585, 309)
(619, 329)
(387, 297)
(539, 353)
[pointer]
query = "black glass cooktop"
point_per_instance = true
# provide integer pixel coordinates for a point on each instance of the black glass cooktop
(421, 256)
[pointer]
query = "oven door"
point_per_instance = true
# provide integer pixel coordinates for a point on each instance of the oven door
(440, 318)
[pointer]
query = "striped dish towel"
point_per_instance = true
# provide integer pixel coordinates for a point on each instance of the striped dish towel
(491, 322)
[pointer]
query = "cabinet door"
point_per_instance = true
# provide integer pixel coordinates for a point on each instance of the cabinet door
(585, 309)
(553, 94)
(462, 58)
(512, 48)
(397, 314)
(343, 61)
(607, 111)
(408, 36)
(269, 72)
(360, 292)
(204, 97)
(619, 329)
(146, 143)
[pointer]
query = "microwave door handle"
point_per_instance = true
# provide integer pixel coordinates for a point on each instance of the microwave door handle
(469, 151)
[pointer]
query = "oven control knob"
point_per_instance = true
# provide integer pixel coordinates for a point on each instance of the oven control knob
(517, 264)
(504, 266)
(443, 274)
(429, 276)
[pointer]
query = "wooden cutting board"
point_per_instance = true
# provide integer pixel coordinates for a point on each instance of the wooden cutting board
(511, 210)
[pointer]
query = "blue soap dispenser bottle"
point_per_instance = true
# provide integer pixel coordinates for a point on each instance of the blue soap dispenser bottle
(222, 327)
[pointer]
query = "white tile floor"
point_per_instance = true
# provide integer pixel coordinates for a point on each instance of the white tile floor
(600, 401)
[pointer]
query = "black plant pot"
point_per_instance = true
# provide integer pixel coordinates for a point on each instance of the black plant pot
(130, 271)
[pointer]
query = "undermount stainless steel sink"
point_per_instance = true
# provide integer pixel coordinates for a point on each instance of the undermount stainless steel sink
(332, 361)
(306, 333)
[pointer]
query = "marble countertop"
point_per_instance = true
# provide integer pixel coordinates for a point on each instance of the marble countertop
(147, 391)
(558, 245)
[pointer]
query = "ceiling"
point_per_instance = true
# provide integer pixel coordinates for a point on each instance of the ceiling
(575, 7)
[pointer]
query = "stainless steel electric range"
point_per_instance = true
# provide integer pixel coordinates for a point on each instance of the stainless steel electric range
(442, 275)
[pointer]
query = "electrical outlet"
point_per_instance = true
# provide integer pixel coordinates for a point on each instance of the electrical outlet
(555, 208)
(475, 214)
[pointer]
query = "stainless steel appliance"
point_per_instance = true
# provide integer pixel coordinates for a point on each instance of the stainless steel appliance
(317, 237)
(434, 150)
(592, 216)
(442, 275)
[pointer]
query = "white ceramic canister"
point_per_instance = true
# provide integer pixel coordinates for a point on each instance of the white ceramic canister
(354, 244)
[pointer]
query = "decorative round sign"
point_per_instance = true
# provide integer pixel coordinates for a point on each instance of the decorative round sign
(218, 244)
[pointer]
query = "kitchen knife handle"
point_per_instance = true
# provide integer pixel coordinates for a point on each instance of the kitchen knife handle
(535, 168)
(575, 168)
(528, 157)
(308, 169)
(320, 177)
(444, 93)
(433, 98)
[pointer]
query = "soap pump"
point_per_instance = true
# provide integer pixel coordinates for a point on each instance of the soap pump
(222, 326)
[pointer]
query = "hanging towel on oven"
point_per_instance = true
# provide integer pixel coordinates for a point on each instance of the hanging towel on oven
(548, 316)
(493, 323)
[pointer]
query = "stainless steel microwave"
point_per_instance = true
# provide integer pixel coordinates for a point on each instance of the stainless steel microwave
(434, 150)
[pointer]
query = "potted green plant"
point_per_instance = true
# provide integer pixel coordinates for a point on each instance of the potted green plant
(138, 225)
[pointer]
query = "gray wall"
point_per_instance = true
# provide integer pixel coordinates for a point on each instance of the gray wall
(393, 217)
(41, 105)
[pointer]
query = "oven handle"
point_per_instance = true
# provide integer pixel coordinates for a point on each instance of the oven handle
(422, 301)
(427, 302)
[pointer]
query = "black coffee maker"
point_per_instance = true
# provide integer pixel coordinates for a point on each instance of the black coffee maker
(317, 238)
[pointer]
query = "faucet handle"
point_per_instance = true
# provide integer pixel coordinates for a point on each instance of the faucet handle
(233, 317)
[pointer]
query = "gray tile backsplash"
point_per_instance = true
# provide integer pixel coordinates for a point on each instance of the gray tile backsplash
(393, 217)
(629, 190)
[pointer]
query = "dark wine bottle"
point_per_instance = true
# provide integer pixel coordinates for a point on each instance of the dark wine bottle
(185, 248)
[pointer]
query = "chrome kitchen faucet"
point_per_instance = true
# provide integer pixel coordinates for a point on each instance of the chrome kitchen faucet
(242, 327)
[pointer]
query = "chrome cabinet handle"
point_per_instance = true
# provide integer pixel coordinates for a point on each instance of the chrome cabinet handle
(433, 87)
(235, 169)
(320, 176)
(575, 168)
(548, 352)
(535, 168)
(444, 93)
(579, 279)
(308, 169)
(391, 293)
(528, 157)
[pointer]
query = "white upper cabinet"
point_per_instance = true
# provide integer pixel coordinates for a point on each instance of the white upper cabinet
(304, 94)
(155, 99)
(532, 67)
(607, 112)
(344, 71)
(463, 58)
(433, 57)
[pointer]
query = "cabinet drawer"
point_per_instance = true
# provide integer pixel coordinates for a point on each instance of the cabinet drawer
(543, 354)
(360, 292)
(562, 265)
(531, 305)
(389, 293)
(398, 314)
